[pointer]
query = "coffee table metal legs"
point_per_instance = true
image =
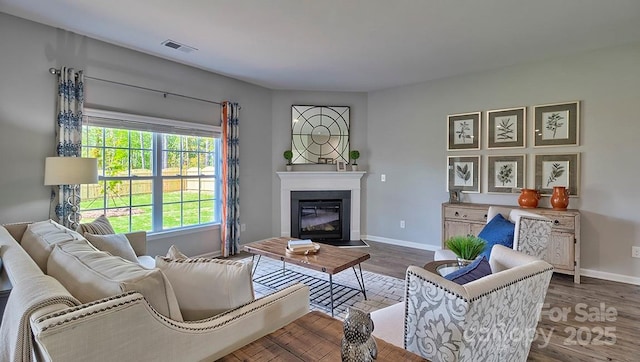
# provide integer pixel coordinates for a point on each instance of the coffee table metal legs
(255, 266)
(360, 280)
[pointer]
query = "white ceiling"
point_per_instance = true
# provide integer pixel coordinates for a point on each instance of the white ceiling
(345, 45)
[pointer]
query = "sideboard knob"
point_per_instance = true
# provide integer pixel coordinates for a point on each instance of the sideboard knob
(556, 222)
(457, 214)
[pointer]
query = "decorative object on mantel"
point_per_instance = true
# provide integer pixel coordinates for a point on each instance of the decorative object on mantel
(528, 198)
(466, 248)
(354, 155)
(560, 198)
(319, 132)
(358, 345)
(341, 165)
(288, 155)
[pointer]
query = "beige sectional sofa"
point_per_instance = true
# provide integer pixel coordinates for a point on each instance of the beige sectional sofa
(71, 302)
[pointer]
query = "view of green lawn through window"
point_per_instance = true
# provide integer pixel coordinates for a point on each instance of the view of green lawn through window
(129, 191)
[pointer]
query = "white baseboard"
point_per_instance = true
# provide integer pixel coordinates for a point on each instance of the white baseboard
(610, 276)
(214, 254)
(408, 244)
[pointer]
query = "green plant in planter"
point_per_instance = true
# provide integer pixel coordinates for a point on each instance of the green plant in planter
(466, 247)
(354, 155)
(288, 155)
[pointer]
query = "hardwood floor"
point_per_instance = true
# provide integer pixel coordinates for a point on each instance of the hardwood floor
(612, 311)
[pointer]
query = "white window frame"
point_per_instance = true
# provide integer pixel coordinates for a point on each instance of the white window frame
(103, 118)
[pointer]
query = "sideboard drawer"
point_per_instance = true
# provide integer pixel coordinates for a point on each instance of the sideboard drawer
(462, 213)
(566, 222)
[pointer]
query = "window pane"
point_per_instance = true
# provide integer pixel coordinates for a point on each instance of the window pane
(116, 162)
(206, 211)
(141, 219)
(116, 137)
(117, 193)
(170, 163)
(119, 219)
(171, 142)
(141, 192)
(125, 192)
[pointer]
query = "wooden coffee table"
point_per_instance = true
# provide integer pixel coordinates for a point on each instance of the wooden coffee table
(329, 259)
(312, 337)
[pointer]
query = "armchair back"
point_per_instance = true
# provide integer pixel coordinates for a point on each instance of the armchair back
(490, 319)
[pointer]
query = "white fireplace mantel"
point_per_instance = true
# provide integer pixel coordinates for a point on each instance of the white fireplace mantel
(319, 181)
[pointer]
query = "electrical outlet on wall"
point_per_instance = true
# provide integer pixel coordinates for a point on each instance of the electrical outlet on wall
(401, 224)
(243, 227)
(635, 251)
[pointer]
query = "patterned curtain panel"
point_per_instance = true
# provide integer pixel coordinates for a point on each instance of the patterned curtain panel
(230, 228)
(69, 130)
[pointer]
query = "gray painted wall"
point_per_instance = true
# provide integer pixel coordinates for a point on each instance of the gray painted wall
(27, 118)
(407, 141)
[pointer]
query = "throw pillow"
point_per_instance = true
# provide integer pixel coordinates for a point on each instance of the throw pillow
(478, 269)
(174, 253)
(114, 244)
(206, 287)
(99, 226)
(497, 231)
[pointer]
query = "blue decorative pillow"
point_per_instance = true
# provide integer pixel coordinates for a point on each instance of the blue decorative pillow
(476, 270)
(498, 231)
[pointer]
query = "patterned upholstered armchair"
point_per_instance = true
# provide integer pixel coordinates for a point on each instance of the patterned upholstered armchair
(490, 319)
(531, 235)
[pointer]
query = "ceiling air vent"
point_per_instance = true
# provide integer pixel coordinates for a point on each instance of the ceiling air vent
(175, 45)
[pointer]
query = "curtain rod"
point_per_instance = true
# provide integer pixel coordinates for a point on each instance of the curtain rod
(55, 71)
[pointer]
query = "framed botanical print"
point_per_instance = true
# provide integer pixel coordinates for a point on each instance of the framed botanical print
(557, 124)
(506, 128)
(464, 131)
(558, 170)
(463, 173)
(506, 173)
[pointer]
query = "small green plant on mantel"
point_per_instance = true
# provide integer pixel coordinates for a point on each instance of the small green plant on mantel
(288, 155)
(354, 155)
(466, 247)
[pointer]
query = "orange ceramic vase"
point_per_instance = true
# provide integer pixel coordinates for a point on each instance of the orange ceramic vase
(559, 198)
(529, 198)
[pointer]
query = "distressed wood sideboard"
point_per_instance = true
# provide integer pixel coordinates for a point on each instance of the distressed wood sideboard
(563, 251)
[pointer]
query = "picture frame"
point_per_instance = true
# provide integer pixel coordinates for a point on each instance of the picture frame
(558, 170)
(322, 160)
(463, 173)
(464, 131)
(454, 196)
(506, 128)
(341, 165)
(505, 173)
(557, 124)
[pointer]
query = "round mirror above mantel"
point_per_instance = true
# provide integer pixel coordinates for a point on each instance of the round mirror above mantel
(319, 134)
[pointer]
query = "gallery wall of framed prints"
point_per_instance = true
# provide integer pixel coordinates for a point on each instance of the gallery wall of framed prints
(497, 140)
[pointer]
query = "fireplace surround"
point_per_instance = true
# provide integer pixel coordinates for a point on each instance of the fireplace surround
(320, 181)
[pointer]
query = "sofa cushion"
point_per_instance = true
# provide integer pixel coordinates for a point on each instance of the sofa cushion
(174, 253)
(40, 237)
(498, 231)
(478, 269)
(206, 287)
(99, 226)
(91, 275)
(114, 244)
